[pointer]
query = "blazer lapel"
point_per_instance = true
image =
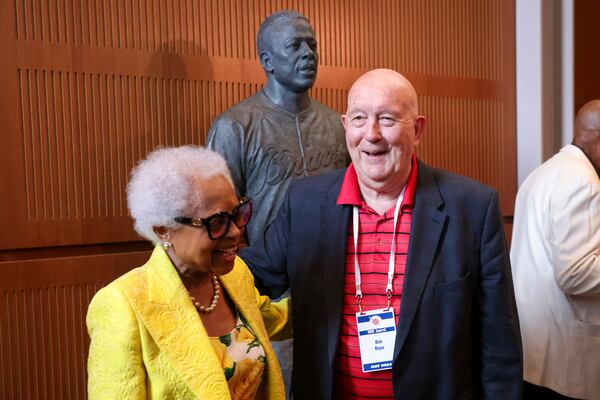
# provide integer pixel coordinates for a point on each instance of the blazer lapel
(170, 317)
(425, 234)
(245, 301)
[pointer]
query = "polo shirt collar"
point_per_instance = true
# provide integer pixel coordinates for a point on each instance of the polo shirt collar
(350, 191)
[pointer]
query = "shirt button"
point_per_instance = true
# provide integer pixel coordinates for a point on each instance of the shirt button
(378, 242)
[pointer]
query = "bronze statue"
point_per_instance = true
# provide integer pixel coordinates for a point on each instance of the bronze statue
(280, 133)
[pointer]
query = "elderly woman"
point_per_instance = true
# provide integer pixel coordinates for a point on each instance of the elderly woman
(189, 323)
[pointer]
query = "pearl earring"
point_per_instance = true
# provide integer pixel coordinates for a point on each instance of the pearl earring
(167, 245)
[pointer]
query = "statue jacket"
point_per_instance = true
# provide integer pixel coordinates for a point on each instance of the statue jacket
(267, 147)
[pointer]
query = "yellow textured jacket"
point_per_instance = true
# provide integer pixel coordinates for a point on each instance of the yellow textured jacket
(148, 341)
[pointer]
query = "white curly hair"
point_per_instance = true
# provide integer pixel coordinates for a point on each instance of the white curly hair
(160, 186)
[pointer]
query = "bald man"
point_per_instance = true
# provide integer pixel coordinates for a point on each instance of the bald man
(399, 273)
(556, 266)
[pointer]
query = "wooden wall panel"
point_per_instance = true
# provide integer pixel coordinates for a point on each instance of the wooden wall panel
(465, 135)
(72, 175)
(99, 84)
(43, 338)
(586, 58)
(83, 132)
(436, 37)
(90, 86)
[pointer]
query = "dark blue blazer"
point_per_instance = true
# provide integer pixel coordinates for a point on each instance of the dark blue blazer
(458, 333)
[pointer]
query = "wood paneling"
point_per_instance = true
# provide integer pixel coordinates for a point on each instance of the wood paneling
(83, 133)
(465, 135)
(90, 86)
(586, 58)
(99, 84)
(43, 338)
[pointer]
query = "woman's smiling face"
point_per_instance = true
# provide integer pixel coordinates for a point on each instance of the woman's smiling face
(193, 251)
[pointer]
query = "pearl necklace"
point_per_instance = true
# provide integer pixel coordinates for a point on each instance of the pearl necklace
(215, 298)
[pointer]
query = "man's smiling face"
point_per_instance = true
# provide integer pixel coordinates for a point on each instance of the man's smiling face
(381, 131)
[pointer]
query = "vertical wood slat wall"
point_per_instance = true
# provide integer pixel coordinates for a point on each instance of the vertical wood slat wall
(90, 86)
(586, 58)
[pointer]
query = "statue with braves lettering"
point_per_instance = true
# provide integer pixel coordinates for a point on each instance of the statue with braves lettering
(280, 133)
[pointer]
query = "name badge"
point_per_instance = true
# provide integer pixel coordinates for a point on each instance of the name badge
(376, 337)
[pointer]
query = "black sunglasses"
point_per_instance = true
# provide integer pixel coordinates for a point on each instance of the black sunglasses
(217, 224)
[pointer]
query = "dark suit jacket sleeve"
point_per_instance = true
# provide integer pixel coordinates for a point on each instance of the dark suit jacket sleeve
(501, 353)
(268, 262)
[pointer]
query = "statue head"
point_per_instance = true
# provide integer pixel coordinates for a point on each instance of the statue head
(287, 49)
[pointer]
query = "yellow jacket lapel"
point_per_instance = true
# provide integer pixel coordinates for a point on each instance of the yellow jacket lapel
(175, 326)
(248, 306)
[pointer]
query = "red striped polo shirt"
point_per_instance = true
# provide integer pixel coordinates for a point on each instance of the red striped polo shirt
(374, 245)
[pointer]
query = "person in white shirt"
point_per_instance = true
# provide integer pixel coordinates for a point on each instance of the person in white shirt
(555, 258)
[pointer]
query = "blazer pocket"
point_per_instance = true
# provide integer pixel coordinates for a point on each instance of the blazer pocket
(586, 329)
(583, 369)
(442, 289)
(468, 394)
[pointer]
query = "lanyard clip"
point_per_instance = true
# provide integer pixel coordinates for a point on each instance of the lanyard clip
(358, 300)
(389, 299)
